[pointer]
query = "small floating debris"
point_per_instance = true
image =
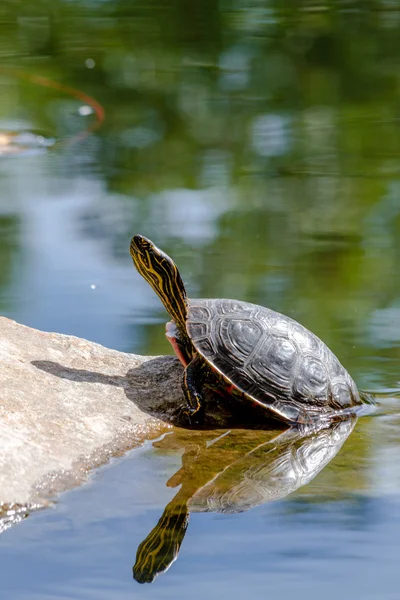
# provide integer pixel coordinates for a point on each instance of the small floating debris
(23, 142)
(85, 110)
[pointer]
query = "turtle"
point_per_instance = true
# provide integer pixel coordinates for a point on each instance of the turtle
(231, 472)
(246, 352)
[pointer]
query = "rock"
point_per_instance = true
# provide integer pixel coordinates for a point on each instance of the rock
(68, 405)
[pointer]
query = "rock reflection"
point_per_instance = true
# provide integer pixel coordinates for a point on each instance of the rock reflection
(232, 471)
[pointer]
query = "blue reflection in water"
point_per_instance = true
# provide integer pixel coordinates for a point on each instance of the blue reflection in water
(307, 545)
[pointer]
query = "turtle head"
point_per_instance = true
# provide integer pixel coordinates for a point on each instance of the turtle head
(160, 271)
(141, 245)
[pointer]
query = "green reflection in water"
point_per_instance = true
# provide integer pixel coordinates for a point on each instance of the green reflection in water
(263, 135)
(9, 251)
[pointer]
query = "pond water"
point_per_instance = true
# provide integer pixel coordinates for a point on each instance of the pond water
(258, 143)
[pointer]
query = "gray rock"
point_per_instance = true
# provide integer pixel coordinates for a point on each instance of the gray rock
(67, 405)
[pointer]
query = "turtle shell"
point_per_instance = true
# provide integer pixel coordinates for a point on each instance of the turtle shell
(271, 359)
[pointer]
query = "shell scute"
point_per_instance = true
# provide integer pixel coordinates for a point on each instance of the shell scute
(200, 313)
(244, 335)
(276, 362)
(200, 330)
(311, 379)
(307, 342)
(341, 393)
(234, 307)
(278, 326)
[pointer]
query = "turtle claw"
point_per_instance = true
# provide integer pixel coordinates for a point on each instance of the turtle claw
(185, 418)
(195, 417)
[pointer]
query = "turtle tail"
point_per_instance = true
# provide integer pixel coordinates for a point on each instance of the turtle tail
(161, 547)
(162, 274)
(368, 397)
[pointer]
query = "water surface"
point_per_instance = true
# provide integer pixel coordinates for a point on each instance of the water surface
(257, 143)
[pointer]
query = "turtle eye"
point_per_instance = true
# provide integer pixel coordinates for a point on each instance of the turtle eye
(141, 243)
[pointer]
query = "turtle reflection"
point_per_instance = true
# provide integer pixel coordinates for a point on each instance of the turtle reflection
(232, 471)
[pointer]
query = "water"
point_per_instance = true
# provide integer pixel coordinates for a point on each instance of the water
(258, 144)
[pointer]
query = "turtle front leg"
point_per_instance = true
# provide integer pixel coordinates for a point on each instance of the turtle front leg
(193, 379)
